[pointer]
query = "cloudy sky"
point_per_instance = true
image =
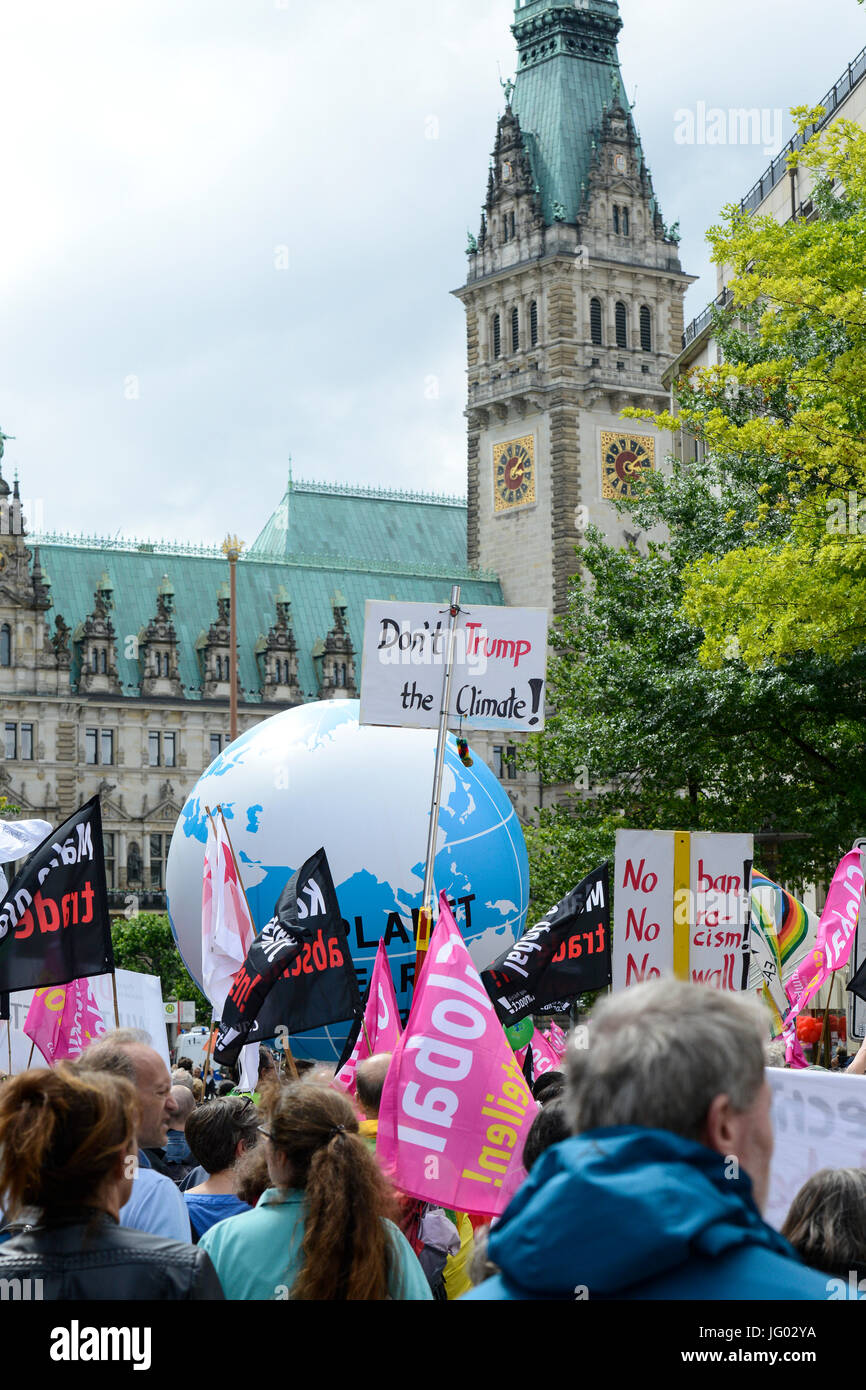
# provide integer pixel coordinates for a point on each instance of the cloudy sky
(229, 229)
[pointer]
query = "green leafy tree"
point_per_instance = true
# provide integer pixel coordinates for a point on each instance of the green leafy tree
(144, 943)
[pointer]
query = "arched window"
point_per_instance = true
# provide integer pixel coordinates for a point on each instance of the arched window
(646, 329)
(625, 221)
(621, 326)
(94, 660)
(497, 336)
(533, 323)
(515, 330)
(166, 664)
(103, 660)
(219, 668)
(595, 321)
(616, 219)
(5, 645)
(285, 673)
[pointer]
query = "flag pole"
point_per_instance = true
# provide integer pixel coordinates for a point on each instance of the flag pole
(114, 992)
(425, 916)
(9, 1042)
(286, 1049)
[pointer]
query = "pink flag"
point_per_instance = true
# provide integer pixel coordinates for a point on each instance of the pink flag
(558, 1039)
(63, 1019)
(835, 935)
(381, 1022)
(455, 1109)
(227, 928)
(543, 1056)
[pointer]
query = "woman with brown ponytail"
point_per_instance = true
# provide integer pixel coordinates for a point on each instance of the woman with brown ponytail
(324, 1230)
(68, 1149)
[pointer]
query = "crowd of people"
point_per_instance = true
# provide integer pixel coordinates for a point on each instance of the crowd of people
(118, 1181)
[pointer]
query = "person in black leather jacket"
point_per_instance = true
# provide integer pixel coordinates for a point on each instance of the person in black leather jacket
(67, 1148)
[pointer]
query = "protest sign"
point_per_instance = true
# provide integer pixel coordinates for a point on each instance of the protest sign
(139, 1005)
(456, 1108)
(377, 1030)
(835, 937)
(682, 907)
(819, 1121)
(499, 666)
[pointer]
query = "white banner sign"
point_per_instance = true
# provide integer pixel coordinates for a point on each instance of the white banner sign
(819, 1121)
(711, 906)
(139, 1005)
(499, 674)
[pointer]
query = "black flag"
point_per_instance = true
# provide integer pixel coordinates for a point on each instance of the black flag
(857, 983)
(298, 973)
(565, 954)
(54, 922)
(4, 1007)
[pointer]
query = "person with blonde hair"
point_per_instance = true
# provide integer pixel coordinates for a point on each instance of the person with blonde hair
(68, 1149)
(325, 1230)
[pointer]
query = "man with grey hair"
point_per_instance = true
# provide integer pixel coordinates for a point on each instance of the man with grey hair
(156, 1204)
(659, 1193)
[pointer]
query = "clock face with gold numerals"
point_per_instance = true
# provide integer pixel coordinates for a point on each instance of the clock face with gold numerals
(514, 473)
(623, 458)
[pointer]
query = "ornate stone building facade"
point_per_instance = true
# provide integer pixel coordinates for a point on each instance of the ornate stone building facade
(573, 303)
(114, 656)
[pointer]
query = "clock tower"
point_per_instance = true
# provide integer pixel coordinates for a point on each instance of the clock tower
(573, 303)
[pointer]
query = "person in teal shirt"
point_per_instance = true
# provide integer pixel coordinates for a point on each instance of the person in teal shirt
(323, 1231)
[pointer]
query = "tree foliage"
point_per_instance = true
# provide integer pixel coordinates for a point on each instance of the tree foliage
(144, 943)
(785, 415)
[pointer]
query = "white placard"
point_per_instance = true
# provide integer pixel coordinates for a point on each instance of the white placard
(499, 674)
(719, 908)
(187, 1011)
(643, 934)
(819, 1121)
(139, 1005)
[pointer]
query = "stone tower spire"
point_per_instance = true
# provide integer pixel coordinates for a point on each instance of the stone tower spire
(573, 304)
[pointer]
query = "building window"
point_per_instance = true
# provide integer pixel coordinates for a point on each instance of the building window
(510, 764)
(91, 752)
(157, 861)
(625, 221)
(646, 330)
(103, 660)
(99, 746)
(11, 741)
(169, 750)
(595, 321)
(5, 645)
(616, 219)
(497, 336)
(110, 861)
(533, 323)
(153, 748)
(94, 660)
(106, 746)
(18, 745)
(515, 330)
(217, 743)
(133, 864)
(621, 326)
(498, 758)
(27, 742)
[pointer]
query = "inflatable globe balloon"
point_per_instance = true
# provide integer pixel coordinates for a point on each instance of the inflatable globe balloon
(313, 776)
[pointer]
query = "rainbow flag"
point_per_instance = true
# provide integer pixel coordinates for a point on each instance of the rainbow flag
(789, 915)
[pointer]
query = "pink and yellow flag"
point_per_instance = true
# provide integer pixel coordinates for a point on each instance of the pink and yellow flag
(381, 1028)
(835, 936)
(63, 1019)
(456, 1109)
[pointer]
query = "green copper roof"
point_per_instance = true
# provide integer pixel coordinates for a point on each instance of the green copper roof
(370, 525)
(136, 570)
(567, 73)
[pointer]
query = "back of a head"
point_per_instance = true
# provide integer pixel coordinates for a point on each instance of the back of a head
(370, 1081)
(549, 1127)
(827, 1221)
(347, 1254)
(185, 1102)
(213, 1131)
(181, 1078)
(106, 1056)
(659, 1053)
(185, 1064)
(61, 1133)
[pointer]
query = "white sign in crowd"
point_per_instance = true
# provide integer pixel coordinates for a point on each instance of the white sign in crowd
(139, 1005)
(499, 666)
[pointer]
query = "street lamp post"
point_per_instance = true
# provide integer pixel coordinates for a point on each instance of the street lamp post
(232, 548)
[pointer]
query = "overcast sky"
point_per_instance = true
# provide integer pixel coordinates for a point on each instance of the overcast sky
(229, 229)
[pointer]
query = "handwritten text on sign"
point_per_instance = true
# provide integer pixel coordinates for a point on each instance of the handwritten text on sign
(499, 666)
(643, 935)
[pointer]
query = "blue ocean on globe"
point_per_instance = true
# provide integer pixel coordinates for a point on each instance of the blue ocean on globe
(311, 777)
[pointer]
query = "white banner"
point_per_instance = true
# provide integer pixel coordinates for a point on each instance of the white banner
(139, 1004)
(720, 909)
(643, 923)
(819, 1121)
(499, 674)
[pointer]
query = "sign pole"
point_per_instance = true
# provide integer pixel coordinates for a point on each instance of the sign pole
(425, 916)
